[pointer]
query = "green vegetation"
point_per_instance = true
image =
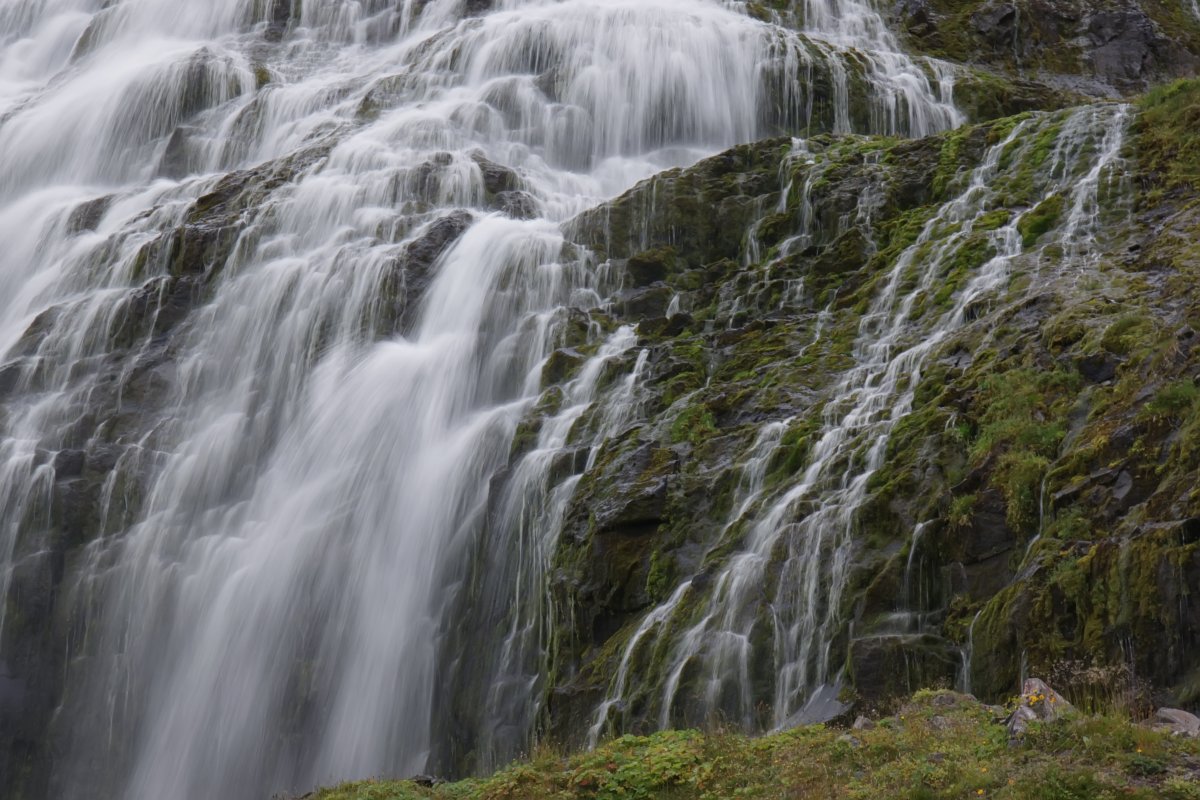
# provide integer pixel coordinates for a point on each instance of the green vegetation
(939, 745)
(1020, 428)
(1169, 134)
(1172, 401)
(1040, 220)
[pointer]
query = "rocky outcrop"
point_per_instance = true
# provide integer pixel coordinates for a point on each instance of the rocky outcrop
(1092, 46)
(1031, 552)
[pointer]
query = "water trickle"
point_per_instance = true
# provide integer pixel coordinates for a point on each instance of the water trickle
(902, 85)
(912, 593)
(968, 656)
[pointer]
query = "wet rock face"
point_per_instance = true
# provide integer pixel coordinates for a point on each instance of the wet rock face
(1121, 49)
(1128, 49)
(1058, 501)
(413, 269)
(280, 17)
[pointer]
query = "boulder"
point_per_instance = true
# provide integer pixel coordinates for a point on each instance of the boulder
(1039, 703)
(1177, 722)
(863, 724)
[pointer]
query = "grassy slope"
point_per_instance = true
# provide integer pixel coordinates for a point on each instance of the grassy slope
(937, 746)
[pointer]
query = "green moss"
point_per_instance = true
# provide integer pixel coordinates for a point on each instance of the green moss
(962, 511)
(1127, 333)
(795, 446)
(986, 95)
(659, 579)
(1030, 152)
(1168, 134)
(966, 258)
(694, 424)
(993, 220)
(1039, 221)
(1021, 427)
(949, 162)
(651, 265)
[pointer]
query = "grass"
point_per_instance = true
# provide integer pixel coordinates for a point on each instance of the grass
(1021, 425)
(939, 745)
(1169, 133)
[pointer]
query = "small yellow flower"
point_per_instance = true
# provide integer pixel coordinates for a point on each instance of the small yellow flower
(1139, 749)
(979, 792)
(984, 769)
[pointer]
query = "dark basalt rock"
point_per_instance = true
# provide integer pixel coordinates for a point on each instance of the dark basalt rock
(560, 365)
(497, 179)
(651, 266)
(886, 667)
(412, 272)
(278, 20)
(86, 217)
(996, 23)
(644, 302)
(516, 204)
(1127, 48)
(176, 161)
(1095, 47)
(634, 498)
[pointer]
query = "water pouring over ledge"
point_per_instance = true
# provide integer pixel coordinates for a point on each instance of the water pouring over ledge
(293, 419)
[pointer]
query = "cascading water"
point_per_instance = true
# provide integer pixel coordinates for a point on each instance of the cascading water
(812, 521)
(282, 278)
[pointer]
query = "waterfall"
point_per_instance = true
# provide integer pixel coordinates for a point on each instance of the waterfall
(278, 286)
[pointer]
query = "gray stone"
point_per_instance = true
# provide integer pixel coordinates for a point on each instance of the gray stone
(1177, 722)
(1039, 703)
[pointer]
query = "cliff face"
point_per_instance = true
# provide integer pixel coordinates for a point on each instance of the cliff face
(1099, 47)
(1033, 410)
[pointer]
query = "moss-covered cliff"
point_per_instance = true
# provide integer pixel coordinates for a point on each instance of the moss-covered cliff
(1035, 505)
